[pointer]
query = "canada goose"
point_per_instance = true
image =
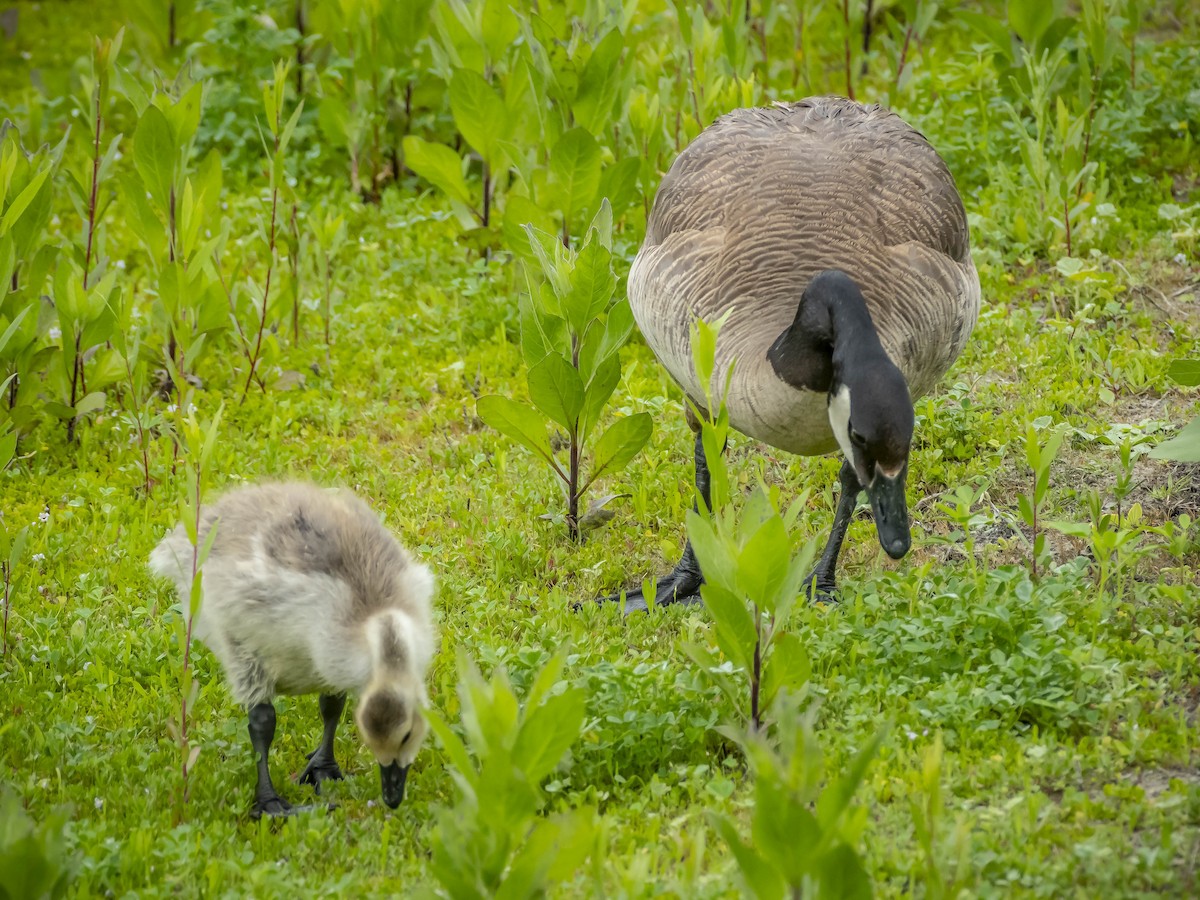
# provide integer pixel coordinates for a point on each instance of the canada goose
(835, 233)
(305, 591)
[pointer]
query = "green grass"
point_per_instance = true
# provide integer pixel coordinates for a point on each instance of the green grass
(1068, 715)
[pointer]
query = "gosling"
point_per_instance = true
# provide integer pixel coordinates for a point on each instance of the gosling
(305, 592)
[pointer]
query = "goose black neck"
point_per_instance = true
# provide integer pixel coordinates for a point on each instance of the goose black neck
(832, 335)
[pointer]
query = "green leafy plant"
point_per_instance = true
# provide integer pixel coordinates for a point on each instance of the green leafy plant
(804, 830)
(1038, 457)
(571, 332)
(34, 860)
(492, 842)
(927, 813)
(198, 440)
(168, 202)
(1185, 446)
(329, 233)
(752, 577)
(12, 547)
(274, 100)
(27, 261)
(84, 289)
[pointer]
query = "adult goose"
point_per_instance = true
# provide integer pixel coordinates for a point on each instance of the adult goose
(835, 233)
(306, 592)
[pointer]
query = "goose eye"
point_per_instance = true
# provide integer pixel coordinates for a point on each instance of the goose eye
(857, 439)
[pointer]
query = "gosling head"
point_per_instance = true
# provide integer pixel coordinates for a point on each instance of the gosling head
(872, 418)
(389, 711)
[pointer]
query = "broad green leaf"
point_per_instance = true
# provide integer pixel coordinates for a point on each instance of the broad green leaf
(841, 874)
(8, 447)
(90, 403)
(787, 667)
(575, 173)
(541, 331)
(1184, 447)
(548, 732)
(557, 390)
(516, 421)
(735, 631)
(784, 831)
(1185, 371)
(763, 563)
(601, 386)
(619, 444)
(454, 747)
(599, 84)
(520, 211)
(1030, 18)
(439, 165)
(154, 154)
(546, 679)
(592, 286)
(835, 799)
(12, 328)
(763, 881)
(479, 114)
(992, 29)
(619, 183)
(21, 202)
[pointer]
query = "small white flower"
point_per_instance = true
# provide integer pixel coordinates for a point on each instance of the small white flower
(99, 801)
(224, 205)
(121, 264)
(292, 181)
(38, 557)
(172, 408)
(55, 333)
(43, 516)
(191, 408)
(1180, 259)
(912, 735)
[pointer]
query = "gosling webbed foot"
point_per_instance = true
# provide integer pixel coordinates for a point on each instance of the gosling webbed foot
(320, 768)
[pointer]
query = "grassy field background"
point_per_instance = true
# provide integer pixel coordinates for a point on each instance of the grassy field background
(1042, 729)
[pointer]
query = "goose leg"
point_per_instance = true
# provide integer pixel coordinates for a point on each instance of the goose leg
(262, 732)
(321, 764)
(821, 584)
(682, 585)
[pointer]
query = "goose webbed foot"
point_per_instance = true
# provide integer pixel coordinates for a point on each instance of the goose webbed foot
(320, 768)
(681, 586)
(273, 806)
(820, 587)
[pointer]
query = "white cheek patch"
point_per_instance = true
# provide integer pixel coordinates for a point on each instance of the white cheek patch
(839, 420)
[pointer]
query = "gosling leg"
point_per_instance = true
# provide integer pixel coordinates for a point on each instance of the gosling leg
(262, 732)
(321, 764)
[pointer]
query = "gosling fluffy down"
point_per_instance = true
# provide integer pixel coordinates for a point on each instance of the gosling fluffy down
(306, 592)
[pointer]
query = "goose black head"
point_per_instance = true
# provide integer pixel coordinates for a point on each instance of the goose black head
(832, 346)
(872, 418)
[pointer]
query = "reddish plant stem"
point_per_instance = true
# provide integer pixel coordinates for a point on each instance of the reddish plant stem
(262, 321)
(77, 364)
(903, 55)
(573, 474)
